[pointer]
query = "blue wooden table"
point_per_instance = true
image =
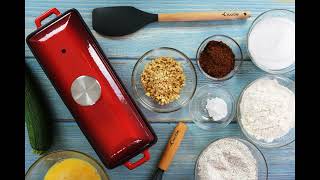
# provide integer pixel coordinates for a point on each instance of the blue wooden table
(123, 52)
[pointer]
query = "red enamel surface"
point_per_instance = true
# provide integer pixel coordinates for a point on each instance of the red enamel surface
(113, 126)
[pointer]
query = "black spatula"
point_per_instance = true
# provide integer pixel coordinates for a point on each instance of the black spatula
(123, 20)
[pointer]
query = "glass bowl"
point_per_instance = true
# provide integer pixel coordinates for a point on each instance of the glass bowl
(235, 49)
(187, 91)
(262, 166)
(290, 15)
(40, 167)
(285, 140)
(199, 112)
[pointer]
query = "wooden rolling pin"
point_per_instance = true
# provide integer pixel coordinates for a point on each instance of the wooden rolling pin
(171, 149)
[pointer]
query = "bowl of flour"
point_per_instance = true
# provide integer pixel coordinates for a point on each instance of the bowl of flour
(266, 111)
(231, 158)
(271, 41)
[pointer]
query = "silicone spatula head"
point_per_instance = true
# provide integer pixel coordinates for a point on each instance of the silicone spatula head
(120, 20)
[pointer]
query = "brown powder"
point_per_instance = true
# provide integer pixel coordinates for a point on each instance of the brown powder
(217, 59)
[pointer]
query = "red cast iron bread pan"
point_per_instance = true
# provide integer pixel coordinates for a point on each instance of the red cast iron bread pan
(88, 85)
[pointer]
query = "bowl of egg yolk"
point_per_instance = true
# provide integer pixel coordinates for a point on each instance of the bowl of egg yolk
(66, 164)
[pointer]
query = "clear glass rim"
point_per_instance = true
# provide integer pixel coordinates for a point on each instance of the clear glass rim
(259, 143)
(62, 151)
(142, 102)
(233, 72)
(239, 139)
(271, 71)
(232, 115)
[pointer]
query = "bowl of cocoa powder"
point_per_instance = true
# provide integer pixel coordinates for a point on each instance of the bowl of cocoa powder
(219, 57)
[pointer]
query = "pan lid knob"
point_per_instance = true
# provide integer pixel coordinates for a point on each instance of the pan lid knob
(85, 90)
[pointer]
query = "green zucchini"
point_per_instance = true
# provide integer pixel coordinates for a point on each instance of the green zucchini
(36, 117)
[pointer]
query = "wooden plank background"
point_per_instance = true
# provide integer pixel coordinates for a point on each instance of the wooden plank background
(124, 51)
(281, 161)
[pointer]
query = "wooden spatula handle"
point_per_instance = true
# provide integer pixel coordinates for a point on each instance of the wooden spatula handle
(172, 146)
(204, 16)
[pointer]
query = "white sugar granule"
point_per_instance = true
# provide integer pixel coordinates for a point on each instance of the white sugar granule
(267, 110)
(227, 159)
(217, 108)
(272, 43)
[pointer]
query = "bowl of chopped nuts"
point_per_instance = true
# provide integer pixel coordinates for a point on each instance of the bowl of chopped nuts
(164, 80)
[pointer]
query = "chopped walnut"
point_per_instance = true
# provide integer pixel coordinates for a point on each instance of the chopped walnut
(163, 79)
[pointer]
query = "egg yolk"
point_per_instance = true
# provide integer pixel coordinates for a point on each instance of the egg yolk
(72, 169)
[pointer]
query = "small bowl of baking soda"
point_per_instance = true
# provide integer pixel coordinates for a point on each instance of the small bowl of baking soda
(213, 107)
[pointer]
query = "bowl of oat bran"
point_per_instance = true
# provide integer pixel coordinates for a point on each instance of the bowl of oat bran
(163, 80)
(231, 158)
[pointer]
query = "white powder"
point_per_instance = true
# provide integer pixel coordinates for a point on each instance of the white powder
(227, 159)
(217, 108)
(267, 110)
(272, 43)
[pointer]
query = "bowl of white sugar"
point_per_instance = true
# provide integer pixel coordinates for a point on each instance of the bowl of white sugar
(266, 111)
(213, 107)
(271, 41)
(231, 158)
